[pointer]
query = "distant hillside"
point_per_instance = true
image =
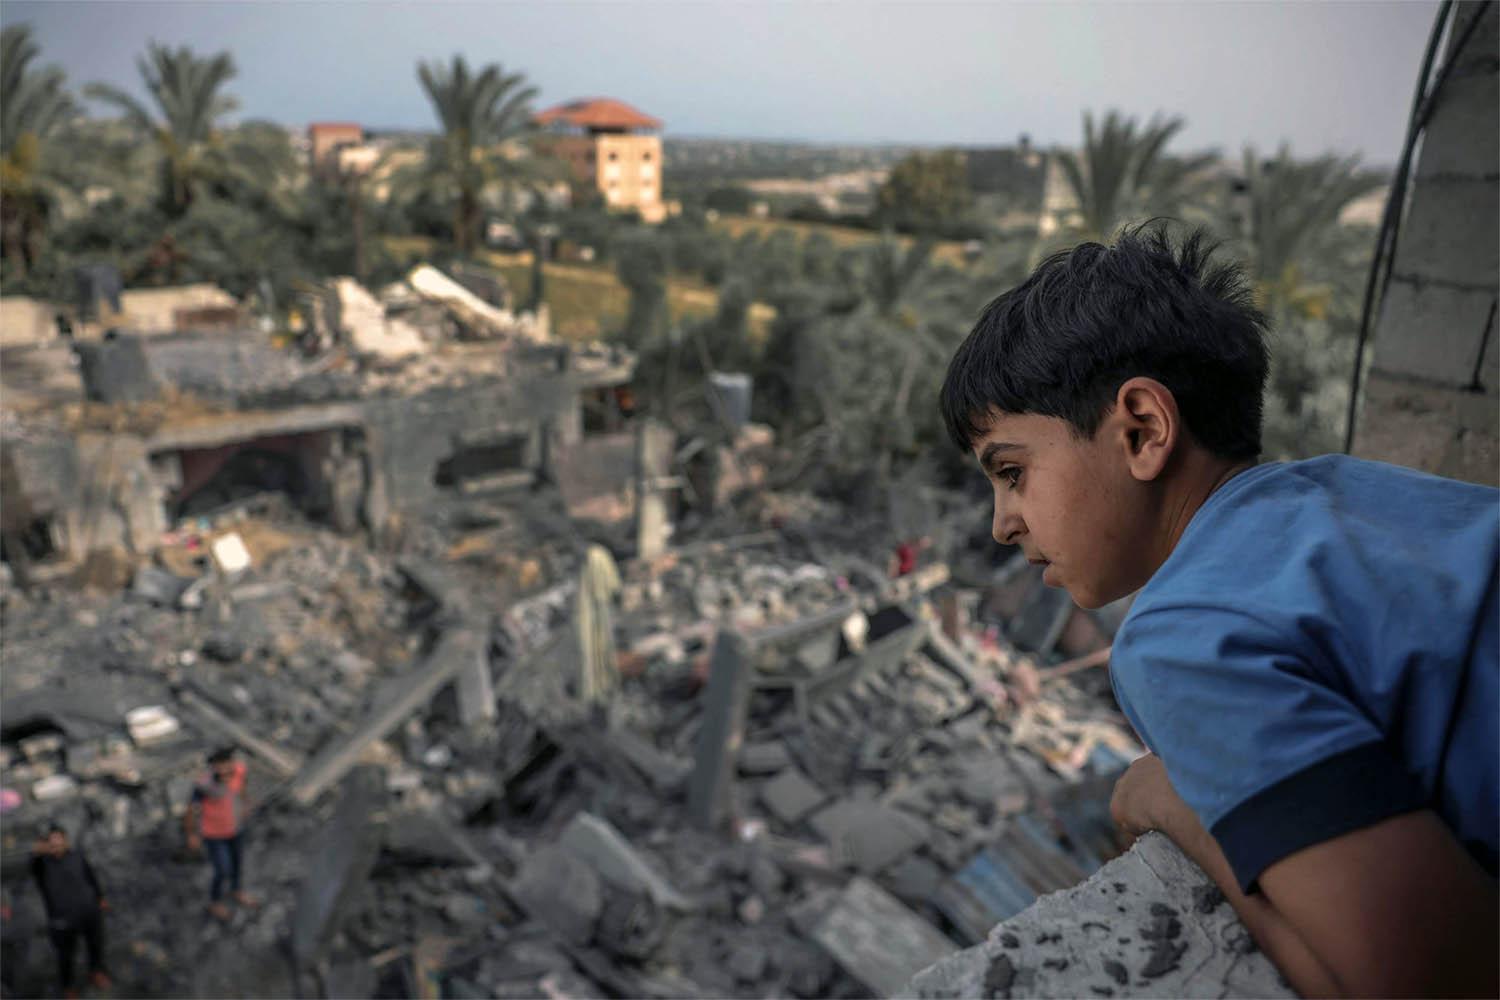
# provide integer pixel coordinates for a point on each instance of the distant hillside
(692, 161)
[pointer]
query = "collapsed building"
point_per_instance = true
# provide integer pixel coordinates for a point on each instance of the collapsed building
(107, 442)
(490, 759)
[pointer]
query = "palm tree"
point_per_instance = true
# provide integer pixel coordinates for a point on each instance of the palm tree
(1123, 172)
(480, 115)
(33, 105)
(1288, 207)
(196, 155)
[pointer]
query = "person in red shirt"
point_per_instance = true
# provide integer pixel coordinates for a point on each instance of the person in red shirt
(215, 821)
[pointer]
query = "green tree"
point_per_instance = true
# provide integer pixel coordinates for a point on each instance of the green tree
(1289, 207)
(34, 105)
(1308, 271)
(482, 117)
(642, 264)
(925, 192)
(1122, 173)
(197, 157)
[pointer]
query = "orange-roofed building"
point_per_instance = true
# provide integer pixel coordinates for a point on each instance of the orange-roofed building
(611, 147)
(327, 138)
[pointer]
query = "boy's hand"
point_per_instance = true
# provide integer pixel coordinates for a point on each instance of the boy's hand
(1144, 799)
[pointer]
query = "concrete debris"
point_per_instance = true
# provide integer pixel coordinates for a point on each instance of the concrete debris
(790, 796)
(230, 553)
(620, 865)
(477, 317)
(338, 866)
(562, 891)
(878, 940)
(360, 317)
(722, 730)
(535, 699)
(1134, 928)
(151, 724)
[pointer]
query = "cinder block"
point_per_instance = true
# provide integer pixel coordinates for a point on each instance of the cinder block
(1432, 331)
(1450, 233)
(1461, 137)
(1445, 431)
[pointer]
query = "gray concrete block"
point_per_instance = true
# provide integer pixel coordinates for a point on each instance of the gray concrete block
(561, 891)
(790, 796)
(1445, 431)
(723, 729)
(1449, 234)
(601, 846)
(1432, 332)
(339, 866)
(869, 835)
(1145, 925)
(878, 940)
(1461, 138)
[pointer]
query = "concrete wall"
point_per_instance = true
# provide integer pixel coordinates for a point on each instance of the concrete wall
(410, 437)
(1432, 397)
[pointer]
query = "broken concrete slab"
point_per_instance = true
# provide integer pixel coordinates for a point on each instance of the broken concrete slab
(339, 866)
(422, 836)
(791, 796)
(284, 762)
(562, 891)
(458, 650)
(1135, 929)
(719, 739)
(665, 773)
(602, 847)
(878, 940)
(869, 835)
(766, 757)
(362, 319)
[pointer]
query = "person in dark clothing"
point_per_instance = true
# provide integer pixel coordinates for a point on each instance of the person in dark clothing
(75, 906)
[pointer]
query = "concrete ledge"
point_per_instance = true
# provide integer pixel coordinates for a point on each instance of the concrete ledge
(1148, 924)
(1433, 428)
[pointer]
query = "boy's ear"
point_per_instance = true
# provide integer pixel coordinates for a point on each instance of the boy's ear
(1148, 425)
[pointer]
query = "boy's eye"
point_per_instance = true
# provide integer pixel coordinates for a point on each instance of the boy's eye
(1011, 474)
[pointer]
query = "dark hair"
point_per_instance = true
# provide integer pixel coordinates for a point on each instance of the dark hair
(1061, 343)
(221, 756)
(55, 828)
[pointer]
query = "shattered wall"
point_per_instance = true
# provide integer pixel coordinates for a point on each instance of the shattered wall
(1148, 924)
(410, 437)
(1432, 398)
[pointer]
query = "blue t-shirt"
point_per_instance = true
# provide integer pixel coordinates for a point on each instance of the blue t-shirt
(1319, 653)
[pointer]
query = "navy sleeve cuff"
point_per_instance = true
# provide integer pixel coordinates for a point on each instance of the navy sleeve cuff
(1345, 792)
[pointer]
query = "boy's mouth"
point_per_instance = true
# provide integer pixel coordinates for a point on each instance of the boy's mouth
(1048, 573)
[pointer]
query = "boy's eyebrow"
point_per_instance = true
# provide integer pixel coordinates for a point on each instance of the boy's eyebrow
(994, 448)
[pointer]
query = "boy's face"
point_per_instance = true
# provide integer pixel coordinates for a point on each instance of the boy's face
(1070, 503)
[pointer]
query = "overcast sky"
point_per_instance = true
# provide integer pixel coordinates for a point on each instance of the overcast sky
(1321, 75)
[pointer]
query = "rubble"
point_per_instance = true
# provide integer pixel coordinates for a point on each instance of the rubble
(744, 762)
(1134, 929)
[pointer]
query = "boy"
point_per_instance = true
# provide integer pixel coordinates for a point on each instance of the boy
(214, 820)
(1311, 656)
(75, 906)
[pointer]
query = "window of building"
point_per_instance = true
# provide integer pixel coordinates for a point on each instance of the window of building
(613, 156)
(646, 156)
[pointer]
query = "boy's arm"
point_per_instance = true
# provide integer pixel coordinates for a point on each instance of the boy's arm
(1396, 908)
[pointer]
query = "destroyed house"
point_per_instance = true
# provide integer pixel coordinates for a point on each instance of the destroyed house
(106, 444)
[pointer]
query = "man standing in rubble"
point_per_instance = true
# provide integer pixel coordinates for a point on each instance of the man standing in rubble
(75, 906)
(215, 822)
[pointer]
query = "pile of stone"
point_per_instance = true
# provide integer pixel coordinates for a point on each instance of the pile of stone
(803, 777)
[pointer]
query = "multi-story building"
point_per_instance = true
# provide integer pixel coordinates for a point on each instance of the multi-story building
(610, 147)
(326, 139)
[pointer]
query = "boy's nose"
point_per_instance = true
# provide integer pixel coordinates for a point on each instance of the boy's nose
(1007, 526)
